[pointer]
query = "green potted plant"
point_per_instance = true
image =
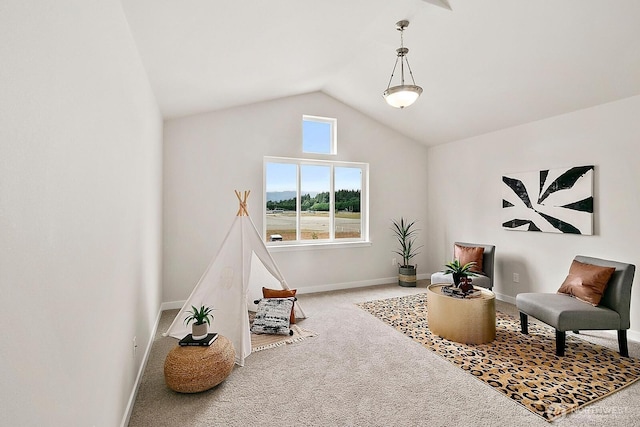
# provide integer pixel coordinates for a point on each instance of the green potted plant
(201, 319)
(460, 272)
(405, 233)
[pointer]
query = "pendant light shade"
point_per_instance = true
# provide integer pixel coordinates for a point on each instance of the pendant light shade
(402, 95)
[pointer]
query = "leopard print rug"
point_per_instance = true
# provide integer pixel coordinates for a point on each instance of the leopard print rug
(522, 367)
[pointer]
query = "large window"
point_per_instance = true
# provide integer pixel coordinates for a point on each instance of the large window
(314, 201)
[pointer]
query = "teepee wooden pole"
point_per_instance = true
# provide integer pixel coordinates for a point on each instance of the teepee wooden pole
(242, 210)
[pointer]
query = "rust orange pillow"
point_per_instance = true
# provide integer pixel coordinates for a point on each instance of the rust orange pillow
(467, 254)
(586, 282)
(281, 293)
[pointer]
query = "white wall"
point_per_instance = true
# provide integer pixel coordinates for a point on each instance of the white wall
(80, 181)
(605, 136)
(207, 156)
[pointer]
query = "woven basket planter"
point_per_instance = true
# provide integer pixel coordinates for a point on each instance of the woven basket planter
(407, 276)
(192, 369)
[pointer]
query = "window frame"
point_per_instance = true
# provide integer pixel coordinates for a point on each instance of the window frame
(332, 241)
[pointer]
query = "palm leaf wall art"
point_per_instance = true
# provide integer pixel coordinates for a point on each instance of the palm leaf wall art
(552, 200)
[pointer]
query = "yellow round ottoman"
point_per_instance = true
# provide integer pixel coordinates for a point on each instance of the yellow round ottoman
(467, 321)
(191, 369)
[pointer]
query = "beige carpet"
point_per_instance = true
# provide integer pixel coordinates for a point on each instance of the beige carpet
(522, 367)
(357, 371)
(266, 341)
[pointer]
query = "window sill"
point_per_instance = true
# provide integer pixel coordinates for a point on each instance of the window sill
(316, 246)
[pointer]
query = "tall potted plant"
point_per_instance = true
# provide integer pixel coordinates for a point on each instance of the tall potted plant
(405, 233)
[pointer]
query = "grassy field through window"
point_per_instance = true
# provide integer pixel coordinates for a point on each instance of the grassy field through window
(313, 225)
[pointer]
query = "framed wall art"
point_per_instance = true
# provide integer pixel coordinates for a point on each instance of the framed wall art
(552, 200)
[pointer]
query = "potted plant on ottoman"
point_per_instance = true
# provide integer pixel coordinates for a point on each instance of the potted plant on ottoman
(461, 274)
(406, 234)
(201, 320)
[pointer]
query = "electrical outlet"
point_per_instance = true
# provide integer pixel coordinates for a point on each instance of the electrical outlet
(135, 346)
(516, 278)
(394, 262)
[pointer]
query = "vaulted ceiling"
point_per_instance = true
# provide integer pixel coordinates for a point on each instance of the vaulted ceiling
(484, 65)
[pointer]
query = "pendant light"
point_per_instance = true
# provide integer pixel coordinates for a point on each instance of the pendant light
(402, 95)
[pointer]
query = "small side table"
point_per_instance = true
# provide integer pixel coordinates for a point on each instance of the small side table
(463, 320)
(192, 369)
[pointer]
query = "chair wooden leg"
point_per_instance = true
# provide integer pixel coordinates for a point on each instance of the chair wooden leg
(560, 342)
(622, 343)
(524, 323)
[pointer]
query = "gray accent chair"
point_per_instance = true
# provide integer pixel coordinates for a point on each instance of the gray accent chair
(566, 313)
(488, 262)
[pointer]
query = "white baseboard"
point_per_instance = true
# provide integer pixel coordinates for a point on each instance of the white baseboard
(134, 391)
(352, 285)
(505, 298)
(171, 305)
(632, 335)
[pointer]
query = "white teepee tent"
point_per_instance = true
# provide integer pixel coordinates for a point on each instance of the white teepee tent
(232, 281)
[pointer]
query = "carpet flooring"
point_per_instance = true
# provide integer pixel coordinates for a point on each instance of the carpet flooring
(357, 371)
(522, 367)
(261, 342)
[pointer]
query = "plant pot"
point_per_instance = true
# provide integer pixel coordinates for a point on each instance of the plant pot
(199, 331)
(456, 279)
(407, 276)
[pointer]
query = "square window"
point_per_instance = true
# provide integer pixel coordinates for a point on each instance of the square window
(319, 135)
